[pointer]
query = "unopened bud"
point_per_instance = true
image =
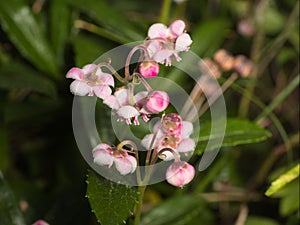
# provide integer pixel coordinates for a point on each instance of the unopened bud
(180, 173)
(224, 59)
(149, 69)
(157, 101)
(246, 28)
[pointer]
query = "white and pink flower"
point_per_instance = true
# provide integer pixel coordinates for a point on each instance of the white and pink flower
(172, 133)
(167, 41)
(105, 155)
(180, 173)
(90, 80)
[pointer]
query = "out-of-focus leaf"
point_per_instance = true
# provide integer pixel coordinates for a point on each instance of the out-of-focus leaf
(238, 131)
(177, 210)
(290, 202)
(253, 220)
(273, 20)
(10, 213)
(109, 17)
(25, 33)
(283, 180)
(112, 203)
(18, 76)
(60, 26)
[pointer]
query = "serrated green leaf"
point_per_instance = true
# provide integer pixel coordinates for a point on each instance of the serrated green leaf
(177, 210)
(112, 203)
(10, 213)
(24, 31)
(19, 76)
(253, 220)
(283, 180)
(238, 131)
(110, 18)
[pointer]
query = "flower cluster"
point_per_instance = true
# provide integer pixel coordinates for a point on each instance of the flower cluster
(171, 136)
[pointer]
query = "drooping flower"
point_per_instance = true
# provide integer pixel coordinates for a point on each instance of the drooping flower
(180, 173)
(105, 155)
(142, 104)
(90, 80)
(171, 133)
(167, 41)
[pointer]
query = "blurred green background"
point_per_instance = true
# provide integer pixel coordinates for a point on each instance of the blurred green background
(42, 172)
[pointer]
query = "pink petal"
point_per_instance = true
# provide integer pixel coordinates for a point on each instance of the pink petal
(140, 96)
(133, 162)
(162, 55)
(79, 88)
(177, 27)
(183, 42)
(186, 145)
(158, 30)
(187, 129)
(127, 112)
(124, 166)
(102, 91)
(112, 102)
(75, 73)
(153, 46)
(102, 158)
(89, 68)
(102, 146)
(180, 173)
(107, 79)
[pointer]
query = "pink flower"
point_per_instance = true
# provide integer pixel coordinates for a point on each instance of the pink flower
(149, 69)
(171, 133)
(90, 80)
(105, 155)
(40, 222)
(167, 41)
(180, 173)
(142, 104)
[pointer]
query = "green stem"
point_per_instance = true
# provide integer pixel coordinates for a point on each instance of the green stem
(139, 203)
(165, 11)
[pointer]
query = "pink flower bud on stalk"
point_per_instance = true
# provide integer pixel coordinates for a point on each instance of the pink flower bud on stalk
(149, 69)
(180, 173)
(40, 222)
(157, 101)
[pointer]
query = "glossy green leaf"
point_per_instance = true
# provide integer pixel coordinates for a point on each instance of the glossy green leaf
(60, 25)
(10, 213)
(24, 31)
(112, 203)
(177, 210)
(253, 220)
(289, 202)
(238, 131)
(283, 180)
(19, 77)
(110, 18)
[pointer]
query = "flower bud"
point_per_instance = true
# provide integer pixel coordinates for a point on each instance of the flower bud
(180, 173)
(157, 101)
(243, 66)
(149, 69)
(224, 59)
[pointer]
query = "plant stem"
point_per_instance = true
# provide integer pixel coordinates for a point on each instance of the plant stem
(139, 203)
(165, 11)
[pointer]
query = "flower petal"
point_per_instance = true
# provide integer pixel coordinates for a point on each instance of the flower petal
(177, 27)
(133, 162)
(128, 112)
(112, 102)
(102, 91)
(122, 96)
(187, 129)
(183, 42)
(153, 46)
(107, 79)
(89, 68)
(102, 158)
(75, 73)
(186, 145)
(123, 165)
(140, 96)
(80, 88)
(162, 55)
(158, 30)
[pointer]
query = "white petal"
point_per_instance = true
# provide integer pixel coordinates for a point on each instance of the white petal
(183, 42)
(75, 73)
(89, 68)
(122, 96)
(128, 112)
(107, 79)
(146, 141)
(124, 166)
(158, 30)
(141, 95)
(162, 55)
(102, 157)
(186, 145)
(153, 46)
(80, 88)
(102, 146)
(102, 91)
(187, 129)
(133, 162)
(167, 156)
(112, 102)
